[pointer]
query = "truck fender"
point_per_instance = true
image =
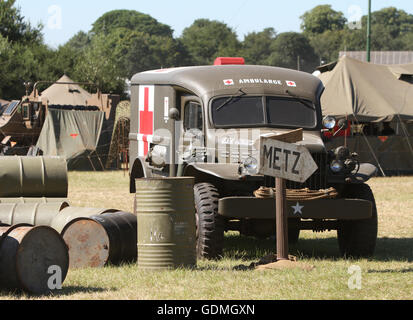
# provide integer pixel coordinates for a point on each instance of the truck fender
(365, 173)
(139, 170)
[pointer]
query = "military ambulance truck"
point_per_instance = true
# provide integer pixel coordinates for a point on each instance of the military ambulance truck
(206, 122)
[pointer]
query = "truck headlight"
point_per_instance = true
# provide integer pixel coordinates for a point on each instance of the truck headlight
(329, 122)
(250, 166)
(337, 166)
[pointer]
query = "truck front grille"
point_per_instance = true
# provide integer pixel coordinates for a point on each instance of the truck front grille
(318, 180)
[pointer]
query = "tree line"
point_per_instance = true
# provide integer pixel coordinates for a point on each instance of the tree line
(124, 42)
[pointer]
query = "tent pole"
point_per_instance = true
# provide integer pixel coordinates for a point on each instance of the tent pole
(406, 134)
(371, 149)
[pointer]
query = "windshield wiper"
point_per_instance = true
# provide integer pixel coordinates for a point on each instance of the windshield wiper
(304, 102)
(240, 94)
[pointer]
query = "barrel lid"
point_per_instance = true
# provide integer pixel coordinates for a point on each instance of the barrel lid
(42, 255)
(88, 243)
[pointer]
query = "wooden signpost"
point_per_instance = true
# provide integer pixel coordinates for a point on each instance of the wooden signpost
(284, 160)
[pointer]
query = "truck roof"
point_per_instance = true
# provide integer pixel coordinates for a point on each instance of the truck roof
(229, 79)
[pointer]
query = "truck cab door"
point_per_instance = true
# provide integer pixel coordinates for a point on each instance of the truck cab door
(192, 142)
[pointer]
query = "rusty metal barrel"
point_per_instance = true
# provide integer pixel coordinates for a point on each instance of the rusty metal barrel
(166, 223)
(71, 213)
(36, 214)
(33, 177)
(32, 259)
(110, 238)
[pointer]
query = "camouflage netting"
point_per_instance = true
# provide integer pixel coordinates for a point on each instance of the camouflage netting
(120, 136)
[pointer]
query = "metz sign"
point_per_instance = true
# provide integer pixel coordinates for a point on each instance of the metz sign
(286, 160)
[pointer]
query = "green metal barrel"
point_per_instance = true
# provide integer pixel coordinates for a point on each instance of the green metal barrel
(71, 213)
(166, 223)
(32, 259)
(36, 214)
(33, 177)
(32, 200)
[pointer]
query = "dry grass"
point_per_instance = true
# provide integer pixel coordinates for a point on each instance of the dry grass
(386, 276)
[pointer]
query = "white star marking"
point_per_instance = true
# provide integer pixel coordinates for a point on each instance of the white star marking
(298, 209)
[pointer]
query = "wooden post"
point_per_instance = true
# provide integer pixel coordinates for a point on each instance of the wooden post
(270, 143)
(281, 219)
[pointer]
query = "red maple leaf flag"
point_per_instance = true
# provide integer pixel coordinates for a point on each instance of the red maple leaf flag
(291, 84)
(229, 82)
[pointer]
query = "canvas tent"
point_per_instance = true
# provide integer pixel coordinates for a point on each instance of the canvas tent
(74, 135)
(66, 94)
(368, 92)
(370, 95)
(73, 129)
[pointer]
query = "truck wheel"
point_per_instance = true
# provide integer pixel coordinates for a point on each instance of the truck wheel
(210, 226)
(358, 238)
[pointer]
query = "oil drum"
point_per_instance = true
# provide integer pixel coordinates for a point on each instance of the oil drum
(37, 214)
(94, 242)
(32, 259)
(71, 213)
(33, 177)
(166, 223)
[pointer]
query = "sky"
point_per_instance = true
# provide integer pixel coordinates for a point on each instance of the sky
(62, 19)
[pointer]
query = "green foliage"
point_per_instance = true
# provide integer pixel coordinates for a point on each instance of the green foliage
(20, 63)
(138, 51)
(256, 47)
(98, 65)
(290, 49)
(131, 20)
(322, 18)
(14, 28)
(205, 40)
(79, 41)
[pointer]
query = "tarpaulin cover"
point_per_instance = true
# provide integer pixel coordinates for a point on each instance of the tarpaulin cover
(73, 135)
(370, 92)
(66, 94)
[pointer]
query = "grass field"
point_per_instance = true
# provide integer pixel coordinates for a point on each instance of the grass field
(388, 275)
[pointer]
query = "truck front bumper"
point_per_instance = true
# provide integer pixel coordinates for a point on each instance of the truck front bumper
(326, 209)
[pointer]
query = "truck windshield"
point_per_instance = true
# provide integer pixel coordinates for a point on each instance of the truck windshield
(264, 111)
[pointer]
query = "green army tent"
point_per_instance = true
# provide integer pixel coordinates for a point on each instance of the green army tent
(372, 97)
(367, 92)
(66, 94)
(75, 135)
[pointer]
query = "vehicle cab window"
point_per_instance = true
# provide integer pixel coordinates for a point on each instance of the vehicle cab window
(193, 118)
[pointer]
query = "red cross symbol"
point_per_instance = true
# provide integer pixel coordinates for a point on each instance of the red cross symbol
(146, 121)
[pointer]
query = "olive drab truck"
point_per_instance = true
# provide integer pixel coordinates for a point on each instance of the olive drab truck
(207, 122)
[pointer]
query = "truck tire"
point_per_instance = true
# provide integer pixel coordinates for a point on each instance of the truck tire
(210, 226)
(358, 238)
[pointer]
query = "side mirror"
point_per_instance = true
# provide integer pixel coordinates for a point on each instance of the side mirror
(174, 114)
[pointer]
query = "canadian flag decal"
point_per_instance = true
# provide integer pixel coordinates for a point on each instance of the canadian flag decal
(291, 83)
(229, 82)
